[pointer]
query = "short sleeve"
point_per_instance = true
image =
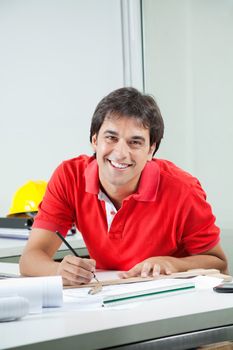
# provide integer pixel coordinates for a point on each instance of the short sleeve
(199, 232)
(56, 212)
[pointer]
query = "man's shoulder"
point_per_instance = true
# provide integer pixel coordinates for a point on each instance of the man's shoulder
(80, 162)
(74, 168)
(173, 173)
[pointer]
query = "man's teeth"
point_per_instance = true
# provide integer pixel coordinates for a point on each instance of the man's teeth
(119, 165)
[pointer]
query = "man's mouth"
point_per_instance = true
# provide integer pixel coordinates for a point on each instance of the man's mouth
(119, 165)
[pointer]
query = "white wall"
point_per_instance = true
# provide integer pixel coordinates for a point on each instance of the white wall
(58, 58)
(189, 69)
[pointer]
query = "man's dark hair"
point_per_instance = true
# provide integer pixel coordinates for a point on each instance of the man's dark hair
(129, 102)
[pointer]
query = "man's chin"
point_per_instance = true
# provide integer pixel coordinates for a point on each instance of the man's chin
(117, 181)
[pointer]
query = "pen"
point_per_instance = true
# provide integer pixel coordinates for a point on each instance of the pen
(72, 250)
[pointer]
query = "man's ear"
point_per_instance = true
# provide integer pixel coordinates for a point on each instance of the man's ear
(94, 142)
(151, 151)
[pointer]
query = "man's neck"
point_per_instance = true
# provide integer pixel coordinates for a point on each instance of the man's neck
(117, 194)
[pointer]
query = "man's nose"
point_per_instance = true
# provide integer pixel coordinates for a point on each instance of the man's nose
(121, 149)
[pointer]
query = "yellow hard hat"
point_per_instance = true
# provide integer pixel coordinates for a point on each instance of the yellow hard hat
(27, 198)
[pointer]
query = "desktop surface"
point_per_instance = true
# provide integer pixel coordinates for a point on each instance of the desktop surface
(201, 316)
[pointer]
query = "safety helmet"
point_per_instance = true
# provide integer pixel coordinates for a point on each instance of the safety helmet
(27, 198)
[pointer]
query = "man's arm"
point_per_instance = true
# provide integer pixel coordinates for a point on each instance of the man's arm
(213, 258)
(37, 260)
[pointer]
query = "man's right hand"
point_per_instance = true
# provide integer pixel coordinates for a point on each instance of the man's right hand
(76, 270)
(37, 260)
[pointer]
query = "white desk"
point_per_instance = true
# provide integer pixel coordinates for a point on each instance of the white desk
(11, 249)
(176, 322)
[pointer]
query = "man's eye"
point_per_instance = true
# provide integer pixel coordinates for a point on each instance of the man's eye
(110, 138)
(136, 143)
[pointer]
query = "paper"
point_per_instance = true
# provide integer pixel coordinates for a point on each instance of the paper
(19, 233)
(82, 299)
(111, 277)
(39, 291)
(111, 282)
(204, 282)
(150, 291)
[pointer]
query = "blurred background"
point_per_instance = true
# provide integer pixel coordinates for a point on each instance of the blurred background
(58, 58)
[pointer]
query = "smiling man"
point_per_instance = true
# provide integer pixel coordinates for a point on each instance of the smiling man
(137, 214)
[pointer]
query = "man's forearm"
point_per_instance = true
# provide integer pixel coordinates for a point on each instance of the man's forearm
(37, 263)
(199, 261)
(167, 265)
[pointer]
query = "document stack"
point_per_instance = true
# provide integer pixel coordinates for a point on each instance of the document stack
(15, 227)
(20, 228)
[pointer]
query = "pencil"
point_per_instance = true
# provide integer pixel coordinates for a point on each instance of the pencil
(67, 244)
(72, 250)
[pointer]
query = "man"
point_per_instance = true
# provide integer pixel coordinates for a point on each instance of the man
(137, 214)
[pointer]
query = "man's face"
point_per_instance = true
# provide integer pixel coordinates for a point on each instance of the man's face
(122, 149)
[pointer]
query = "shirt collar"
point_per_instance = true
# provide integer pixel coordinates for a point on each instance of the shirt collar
(92, 177)
(148, 185)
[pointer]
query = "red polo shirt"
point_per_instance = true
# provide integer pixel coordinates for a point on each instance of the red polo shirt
(168, 215)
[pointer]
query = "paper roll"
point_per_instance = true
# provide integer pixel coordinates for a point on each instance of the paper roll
(13, 308)
(39, 291)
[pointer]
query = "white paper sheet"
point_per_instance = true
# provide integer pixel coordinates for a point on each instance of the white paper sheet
(81, 298)
(206, 282)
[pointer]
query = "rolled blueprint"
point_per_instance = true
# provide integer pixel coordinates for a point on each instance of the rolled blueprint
(39, 291)
(13, 308)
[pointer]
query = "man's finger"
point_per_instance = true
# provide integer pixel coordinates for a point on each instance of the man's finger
(146, 268)
(73, 278)
(78, 271)
(156, 270)
(168, 271)
(135, 271)
(86, 264)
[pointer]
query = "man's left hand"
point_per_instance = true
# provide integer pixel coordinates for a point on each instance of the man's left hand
(151, 267)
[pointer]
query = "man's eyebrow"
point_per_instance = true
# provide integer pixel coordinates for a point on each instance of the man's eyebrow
(135, 137)
(111, 132)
